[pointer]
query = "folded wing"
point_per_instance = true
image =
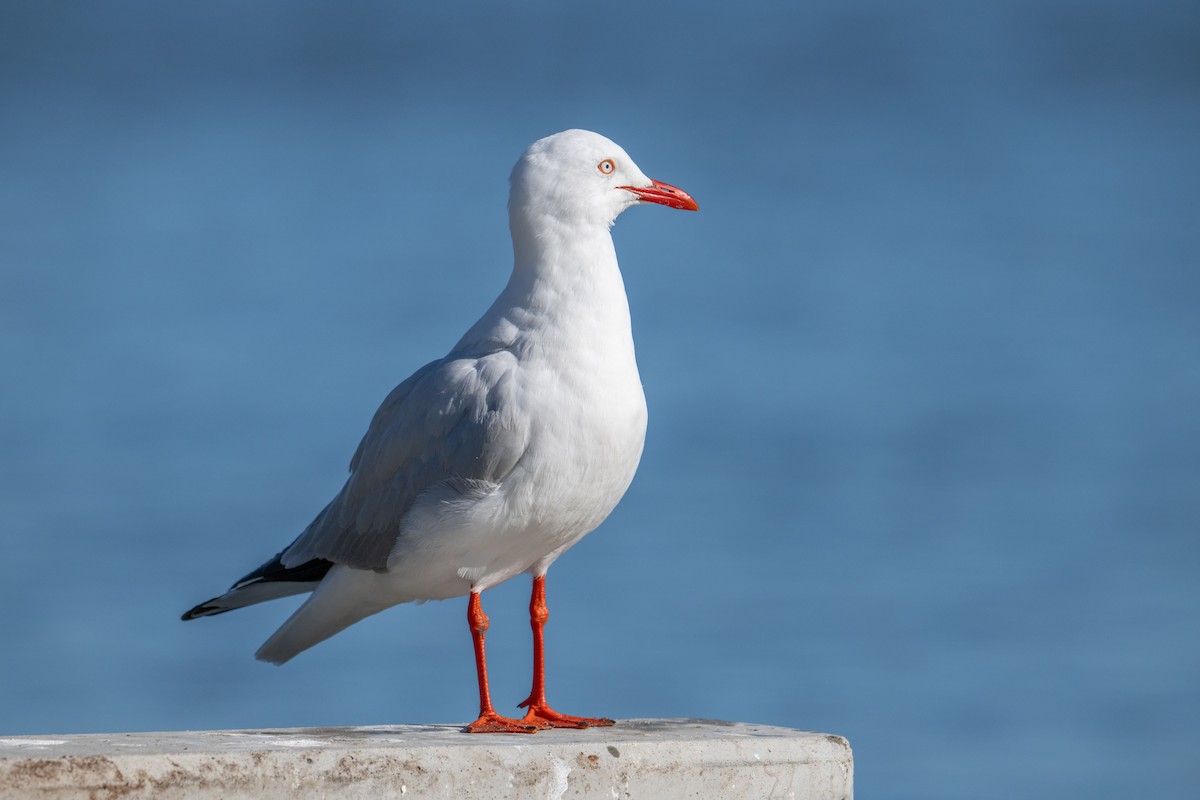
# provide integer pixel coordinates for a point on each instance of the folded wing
(455, 420)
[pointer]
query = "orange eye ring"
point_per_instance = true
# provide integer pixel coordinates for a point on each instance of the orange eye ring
(606, 166)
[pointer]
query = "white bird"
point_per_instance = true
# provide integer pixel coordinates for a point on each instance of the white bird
(491, 461)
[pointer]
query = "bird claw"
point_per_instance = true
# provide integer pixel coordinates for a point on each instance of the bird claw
(494, 723)
(547, 717)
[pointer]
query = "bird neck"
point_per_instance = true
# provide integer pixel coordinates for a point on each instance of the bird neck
(563, 251)
(565, 290)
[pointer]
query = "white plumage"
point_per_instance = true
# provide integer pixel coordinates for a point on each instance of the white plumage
(495, 459)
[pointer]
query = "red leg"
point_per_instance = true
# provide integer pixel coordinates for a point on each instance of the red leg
(540, 712)
(489, 721)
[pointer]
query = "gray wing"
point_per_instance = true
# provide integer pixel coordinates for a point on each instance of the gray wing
(454, 422)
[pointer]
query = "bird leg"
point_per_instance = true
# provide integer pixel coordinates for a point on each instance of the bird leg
(489, 721)
(540, 713)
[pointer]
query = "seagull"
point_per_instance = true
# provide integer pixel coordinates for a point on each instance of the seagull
(491, 461)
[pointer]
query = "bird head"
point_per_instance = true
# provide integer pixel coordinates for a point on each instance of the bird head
(580, 177)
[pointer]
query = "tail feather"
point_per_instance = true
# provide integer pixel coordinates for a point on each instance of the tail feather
(343, 599)
(270, 581)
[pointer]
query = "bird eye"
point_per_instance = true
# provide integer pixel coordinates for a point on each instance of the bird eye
(606, 166)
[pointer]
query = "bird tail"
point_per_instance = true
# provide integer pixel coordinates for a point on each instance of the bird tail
(341, 600)
(270, 581)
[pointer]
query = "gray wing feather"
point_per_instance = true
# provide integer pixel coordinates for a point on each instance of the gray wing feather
(454, 421)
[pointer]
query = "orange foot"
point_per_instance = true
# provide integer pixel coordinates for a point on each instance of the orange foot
(544, 716)
(494, 723)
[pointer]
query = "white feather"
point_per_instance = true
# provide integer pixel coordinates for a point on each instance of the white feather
(494, 460)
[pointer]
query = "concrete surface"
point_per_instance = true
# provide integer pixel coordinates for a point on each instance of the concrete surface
(645, 758)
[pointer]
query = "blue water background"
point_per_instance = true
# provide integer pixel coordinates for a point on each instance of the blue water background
(924, 374)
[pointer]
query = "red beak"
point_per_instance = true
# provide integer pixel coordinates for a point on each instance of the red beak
(664, 194)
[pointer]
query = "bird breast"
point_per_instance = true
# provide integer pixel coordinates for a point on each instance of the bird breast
(589, 427)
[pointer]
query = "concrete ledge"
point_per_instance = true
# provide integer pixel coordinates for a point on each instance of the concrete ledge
(642, 758)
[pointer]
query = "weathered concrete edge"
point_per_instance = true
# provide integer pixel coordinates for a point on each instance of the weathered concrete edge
(661, 758)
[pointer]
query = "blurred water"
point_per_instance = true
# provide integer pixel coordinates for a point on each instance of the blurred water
(923, 464)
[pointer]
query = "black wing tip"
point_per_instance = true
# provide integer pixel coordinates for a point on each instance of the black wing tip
(312, 571)
(205, 609)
